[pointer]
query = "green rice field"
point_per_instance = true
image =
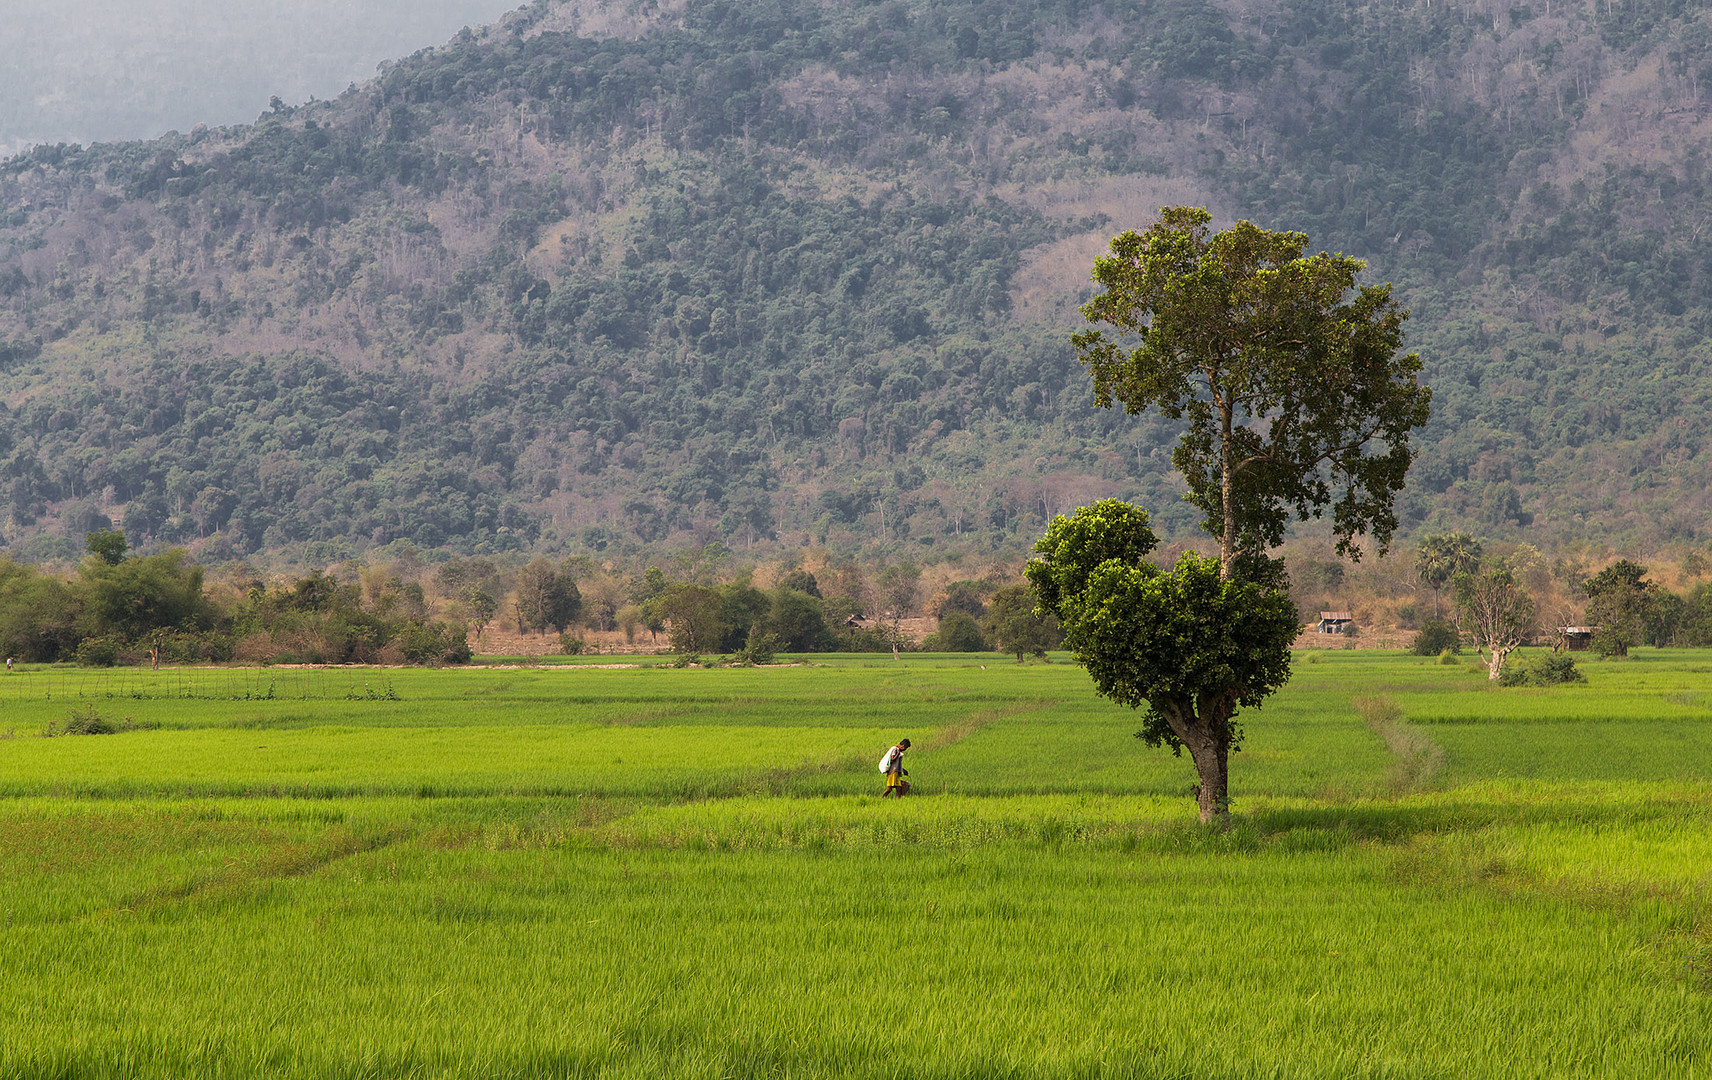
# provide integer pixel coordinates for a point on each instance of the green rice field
(588, 870)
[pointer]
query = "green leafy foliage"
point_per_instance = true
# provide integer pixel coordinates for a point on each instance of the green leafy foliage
(153, 607)
(1439, 558)
(1619, 601)
(38, 614)
(796, 620)
(134, 596)
(1073, 548)
(547, 597)
(97, 652)
(958, 632)
(758, 648)
(1552, 669)
(1016, 624)
(107, 546)
(320, 620)
(1171, 640)
(1293, 394)
(1435, 637)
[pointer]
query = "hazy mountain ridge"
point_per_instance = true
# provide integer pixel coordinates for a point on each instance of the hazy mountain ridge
(740, 271)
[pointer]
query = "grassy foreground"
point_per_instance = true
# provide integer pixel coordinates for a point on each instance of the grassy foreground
(582, 871)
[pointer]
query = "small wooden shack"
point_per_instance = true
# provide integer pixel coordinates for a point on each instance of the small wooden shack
(1576, 638)
(1334, 622)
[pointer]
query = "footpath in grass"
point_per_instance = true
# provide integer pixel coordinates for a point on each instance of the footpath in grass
(649, 872)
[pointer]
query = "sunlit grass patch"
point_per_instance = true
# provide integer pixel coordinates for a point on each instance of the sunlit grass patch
(324, 762)
(648, 872)
(1008, 961)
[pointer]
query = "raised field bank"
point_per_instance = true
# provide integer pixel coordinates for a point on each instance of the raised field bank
(596, 871)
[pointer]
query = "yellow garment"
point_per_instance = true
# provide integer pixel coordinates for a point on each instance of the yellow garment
(894, 779)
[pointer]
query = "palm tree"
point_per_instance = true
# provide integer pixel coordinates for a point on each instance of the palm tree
(1439, 558)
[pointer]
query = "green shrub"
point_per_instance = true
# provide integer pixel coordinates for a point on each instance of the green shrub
(572, 645)
(1552, 669)
(1555, 668)
(433, 643)
(1609, 642)
(862, 639)
(86, 721)
(759, 649)
(1448, 657)
(97, 652)
(1435, 637)
(958, 632)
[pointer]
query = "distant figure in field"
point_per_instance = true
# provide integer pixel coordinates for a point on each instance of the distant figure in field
(893, 766)
(8, 665)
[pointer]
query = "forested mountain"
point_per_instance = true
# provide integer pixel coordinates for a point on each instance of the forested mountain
(784, 270)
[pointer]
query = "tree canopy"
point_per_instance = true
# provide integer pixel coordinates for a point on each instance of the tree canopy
(547, 597)
(1016, 626)
(1293, 391)
(1441, 557)
(1496, 613)
(1620, 601)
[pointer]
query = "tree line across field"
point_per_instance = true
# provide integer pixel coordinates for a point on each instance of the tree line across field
(120, 607)
(1499, 604)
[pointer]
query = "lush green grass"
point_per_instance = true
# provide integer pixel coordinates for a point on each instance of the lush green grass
(640, 871)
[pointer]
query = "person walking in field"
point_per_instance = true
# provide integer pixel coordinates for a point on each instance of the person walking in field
(893, 766)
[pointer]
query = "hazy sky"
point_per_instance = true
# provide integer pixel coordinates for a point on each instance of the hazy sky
(88, 70)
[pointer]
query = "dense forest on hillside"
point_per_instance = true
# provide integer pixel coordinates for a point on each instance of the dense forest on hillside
(604, 277)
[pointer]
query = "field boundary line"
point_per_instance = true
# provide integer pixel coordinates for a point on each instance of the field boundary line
(954, 733)
(290, 860)
(1417, 758)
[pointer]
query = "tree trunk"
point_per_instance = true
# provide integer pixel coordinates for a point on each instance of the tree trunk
(1495, 662)
(1214, 798)
(1205, 733)
(1227, 502)
(1211, 756)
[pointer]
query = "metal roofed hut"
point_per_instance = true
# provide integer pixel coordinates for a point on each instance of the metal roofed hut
(1335, 622)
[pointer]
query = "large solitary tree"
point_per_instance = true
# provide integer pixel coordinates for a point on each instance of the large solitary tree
(1294, 399)
(1294, 395)
(1190, 644)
